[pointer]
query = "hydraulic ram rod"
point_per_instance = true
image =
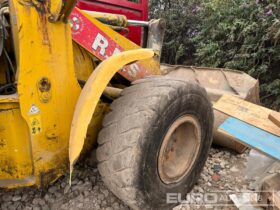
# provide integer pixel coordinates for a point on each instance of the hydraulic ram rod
(138, 23)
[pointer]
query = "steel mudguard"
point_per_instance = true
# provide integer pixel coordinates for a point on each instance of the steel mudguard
(92, 92)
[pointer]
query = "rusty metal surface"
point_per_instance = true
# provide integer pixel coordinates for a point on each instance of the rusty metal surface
(218, 82)
(27, 181)
(179, 149)
(156, 35)
(67, 9)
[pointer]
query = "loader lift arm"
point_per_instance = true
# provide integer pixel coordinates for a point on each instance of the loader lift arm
(47, 86)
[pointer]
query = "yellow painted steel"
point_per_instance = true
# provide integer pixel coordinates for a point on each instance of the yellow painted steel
(47, 88)
(35, 123)
(94, 127)
(108, 18)
(83, 62)
(16, 166)
(91, 93)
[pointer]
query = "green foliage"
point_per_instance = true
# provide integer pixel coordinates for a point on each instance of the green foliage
(182, 22)
(244, 35)
(237, 34)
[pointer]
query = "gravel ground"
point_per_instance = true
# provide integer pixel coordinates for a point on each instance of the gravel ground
(223, 171)
(223, 174)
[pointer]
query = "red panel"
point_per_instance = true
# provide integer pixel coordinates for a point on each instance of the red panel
(97, 42)
(133, 11)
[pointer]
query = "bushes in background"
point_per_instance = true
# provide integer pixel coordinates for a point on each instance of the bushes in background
(237, 34)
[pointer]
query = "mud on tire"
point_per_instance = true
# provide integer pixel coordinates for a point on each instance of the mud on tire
(132, 139)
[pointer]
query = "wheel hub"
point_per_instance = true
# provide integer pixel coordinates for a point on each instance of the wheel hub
(179, 149)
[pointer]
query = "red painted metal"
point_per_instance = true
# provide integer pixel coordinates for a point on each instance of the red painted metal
(132, 10)
(100, 44)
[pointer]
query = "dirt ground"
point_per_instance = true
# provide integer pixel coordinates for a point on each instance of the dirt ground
(224, 171)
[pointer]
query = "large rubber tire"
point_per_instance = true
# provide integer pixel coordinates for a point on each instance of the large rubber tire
(132, 134)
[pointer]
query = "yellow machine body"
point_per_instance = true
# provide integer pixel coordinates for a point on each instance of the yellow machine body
(36, 121)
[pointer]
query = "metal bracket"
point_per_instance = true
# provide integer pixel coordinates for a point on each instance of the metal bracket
(62, 11)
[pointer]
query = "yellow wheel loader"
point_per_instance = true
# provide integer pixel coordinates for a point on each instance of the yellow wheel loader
(69, 81)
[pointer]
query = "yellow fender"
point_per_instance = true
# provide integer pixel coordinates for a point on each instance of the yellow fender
(91, 94)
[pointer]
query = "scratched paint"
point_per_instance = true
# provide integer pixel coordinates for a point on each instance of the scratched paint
(101, 45)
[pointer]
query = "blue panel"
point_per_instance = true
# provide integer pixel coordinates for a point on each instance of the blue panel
(253, 137)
